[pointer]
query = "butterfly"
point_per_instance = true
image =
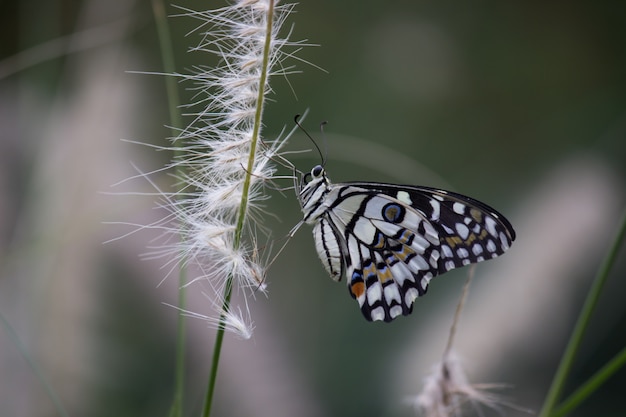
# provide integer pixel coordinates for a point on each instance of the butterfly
(389, 241)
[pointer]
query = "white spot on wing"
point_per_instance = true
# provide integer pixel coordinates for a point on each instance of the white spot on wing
(404, 197)
(504, 241)
(374, 293)
(400, 272)
(419, 244)
(410, 296)
(361, 300)
(431, 234)
(391, 293)
(434, 258)
(364, 230)
(462, 230)
(400, 277)
(490, 224)
(459, 208)
(395, 311)
(419, 263)
(436, 209)
(378, 314)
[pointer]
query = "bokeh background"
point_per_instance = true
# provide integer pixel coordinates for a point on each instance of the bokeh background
(519, 104)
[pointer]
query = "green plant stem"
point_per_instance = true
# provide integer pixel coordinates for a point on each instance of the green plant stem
(167, 53)
(173, 99)
(217, 349)
(243, 208)
(592, 384)
(58, 404)
(562, 372)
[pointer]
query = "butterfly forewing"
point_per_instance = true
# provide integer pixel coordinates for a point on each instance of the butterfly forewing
(469, 231)
(389, 241)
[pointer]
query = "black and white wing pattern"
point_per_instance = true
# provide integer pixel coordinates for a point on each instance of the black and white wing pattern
(389, 241)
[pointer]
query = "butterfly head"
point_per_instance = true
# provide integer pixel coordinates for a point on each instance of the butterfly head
(317, 172)
(314, 186)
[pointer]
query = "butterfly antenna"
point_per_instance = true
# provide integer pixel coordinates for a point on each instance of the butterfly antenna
(324, 123)
(296, 120)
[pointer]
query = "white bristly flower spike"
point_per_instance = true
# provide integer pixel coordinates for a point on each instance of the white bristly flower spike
(212, 224)
(446, 390)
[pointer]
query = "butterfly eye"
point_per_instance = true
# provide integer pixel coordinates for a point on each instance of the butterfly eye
(317, 171)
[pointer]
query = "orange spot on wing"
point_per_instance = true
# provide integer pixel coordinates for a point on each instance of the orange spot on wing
(357, 289)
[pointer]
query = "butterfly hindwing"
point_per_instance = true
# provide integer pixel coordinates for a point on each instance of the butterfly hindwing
(390, 250)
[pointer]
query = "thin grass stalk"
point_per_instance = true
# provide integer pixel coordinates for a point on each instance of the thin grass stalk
(459, 310)
(567, 359)
(56, 400)
(589, 387)
(173, 99)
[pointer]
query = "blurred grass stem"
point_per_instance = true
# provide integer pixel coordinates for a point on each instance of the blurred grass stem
(592, 384)
(167, 54)
(58, 404)
(459, 309)
(567, 359)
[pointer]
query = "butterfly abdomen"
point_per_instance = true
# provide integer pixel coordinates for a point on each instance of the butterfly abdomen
(329, 250)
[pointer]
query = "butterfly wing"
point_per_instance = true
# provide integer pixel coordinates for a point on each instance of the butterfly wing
(469, 230)
(390, 241)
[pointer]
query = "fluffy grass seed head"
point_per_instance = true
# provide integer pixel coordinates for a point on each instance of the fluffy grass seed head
(222, 162)
(447, 390)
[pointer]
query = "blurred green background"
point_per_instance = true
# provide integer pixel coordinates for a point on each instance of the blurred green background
(519, 104)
